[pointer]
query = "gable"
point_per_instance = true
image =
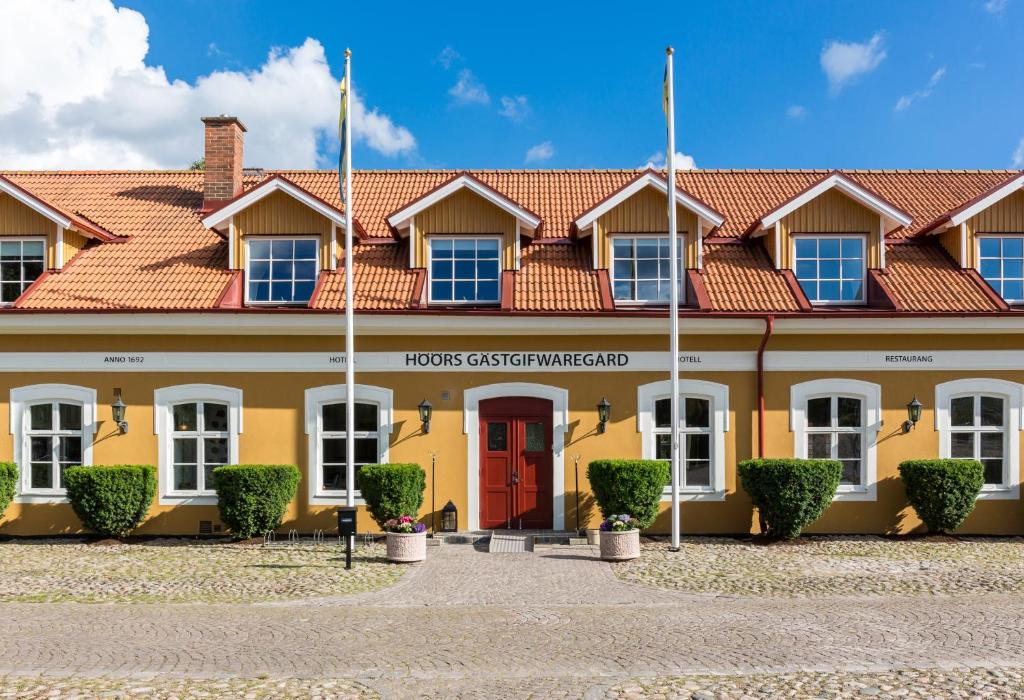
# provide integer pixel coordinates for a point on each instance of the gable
(281, 214)
(646, 211)
(17, 219)
(464, 212)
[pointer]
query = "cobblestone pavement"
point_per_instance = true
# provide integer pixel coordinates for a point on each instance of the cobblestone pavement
(471, 624)
(184, 571)
(832, 566)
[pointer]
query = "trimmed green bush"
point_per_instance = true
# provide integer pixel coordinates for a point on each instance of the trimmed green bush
(111, 500)
(8, 484)
(392, 490)
(942, 491)
(252, 498)
(790, 494)
(630, 486)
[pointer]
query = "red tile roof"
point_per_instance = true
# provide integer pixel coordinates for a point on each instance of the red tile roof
(171, 262)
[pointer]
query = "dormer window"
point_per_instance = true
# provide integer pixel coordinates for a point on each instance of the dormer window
(640, 270)
(1001, 263)
(22, 261)
(830, 269)
(465, 270)
(281, 270)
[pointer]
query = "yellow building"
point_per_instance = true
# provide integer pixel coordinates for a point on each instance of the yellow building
(816, 306)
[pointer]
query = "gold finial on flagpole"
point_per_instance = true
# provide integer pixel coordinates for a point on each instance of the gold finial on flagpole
(348, 53)
(669, 51)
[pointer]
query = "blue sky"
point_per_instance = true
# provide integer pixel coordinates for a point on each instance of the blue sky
(800, 84)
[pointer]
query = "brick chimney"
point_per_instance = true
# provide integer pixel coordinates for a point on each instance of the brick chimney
(223, 176)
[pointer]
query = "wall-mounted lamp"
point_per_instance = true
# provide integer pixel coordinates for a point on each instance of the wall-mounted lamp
(117, 410)
(913, 415)
(604, 412)
(426, 411)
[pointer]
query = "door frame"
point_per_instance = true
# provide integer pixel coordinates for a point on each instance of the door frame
(559, 399)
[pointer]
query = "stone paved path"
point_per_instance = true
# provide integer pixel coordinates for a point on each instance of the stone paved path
(471, 624)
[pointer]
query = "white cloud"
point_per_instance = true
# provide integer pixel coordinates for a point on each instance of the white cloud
(542, 151)
(996, 7)
(515, 108)
(448, 56)
(906, 101)
(1018, 155)
(656, 161)
(468, 90)
(796, 111)
(842, 61)
(97, 103)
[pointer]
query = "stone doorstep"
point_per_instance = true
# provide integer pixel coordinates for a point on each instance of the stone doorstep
(545, 538)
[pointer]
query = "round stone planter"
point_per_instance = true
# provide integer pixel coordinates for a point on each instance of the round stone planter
(620, 546)
(404, 548)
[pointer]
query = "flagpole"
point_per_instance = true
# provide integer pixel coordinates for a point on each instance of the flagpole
(673, 246)
(350, 369)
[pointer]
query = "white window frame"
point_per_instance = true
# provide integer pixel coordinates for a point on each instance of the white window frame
(271, 239)
(1013, 394)
(430, 267)
(46, 265)
(863, 237)
(680, 249)
(718, 395)
(871, 396)
(977, 257)
(335, 393)
(21, 400)
(164, 400)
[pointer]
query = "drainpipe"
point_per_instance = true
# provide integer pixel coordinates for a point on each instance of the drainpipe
(769, 324)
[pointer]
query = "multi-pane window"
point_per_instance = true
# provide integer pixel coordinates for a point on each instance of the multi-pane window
(334, 442)
(55, 438)
(978, 430)
(830, 269)
(835, 430)
(1001, 263)
(465, 270)
(694, 439)
(22, 261)
(281, 270)
(641, 271)
(199, 439)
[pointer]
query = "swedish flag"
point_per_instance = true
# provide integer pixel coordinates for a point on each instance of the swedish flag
(342, 118)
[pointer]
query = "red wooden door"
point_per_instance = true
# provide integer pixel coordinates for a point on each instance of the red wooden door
(515, 463)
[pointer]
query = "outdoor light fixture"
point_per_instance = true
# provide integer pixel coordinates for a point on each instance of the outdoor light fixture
(449, 518)
(604, 411)
(117, 410)
(913, 415)
(426, 410)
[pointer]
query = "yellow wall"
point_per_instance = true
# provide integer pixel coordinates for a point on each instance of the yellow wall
(274, 421)
(645, 212)
(469, 213)
(281, 214)
(831, 212)
(18, 220)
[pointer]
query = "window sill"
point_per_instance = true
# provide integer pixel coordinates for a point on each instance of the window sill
(999, 493)
(855, 493)
(42, 497)
(694, 495)
(332, 499)
(188, 499)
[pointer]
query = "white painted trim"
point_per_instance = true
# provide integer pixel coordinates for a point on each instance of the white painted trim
(718, 395)
(1013, 393)
(559, 424)
(649, 179)
(412, 243)
(986, 202)
(700, 244)
(398, 219)
(257, 193)
(871, 395)
(518, 252)
(34, 204)
(778, 245)
(428, 263)
(248, 278)
(881, 252)
(963, 245)
(20, 400)
(334, 246)
(163, 416)
(794, 237)
(335, 393)
(847, 187)
(232, 253)
(58, 253)
(594, 250)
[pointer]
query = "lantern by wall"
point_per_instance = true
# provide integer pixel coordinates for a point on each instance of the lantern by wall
(604, 412)
(117, 412)
(913, 415)
(426, 411)
(449, 518)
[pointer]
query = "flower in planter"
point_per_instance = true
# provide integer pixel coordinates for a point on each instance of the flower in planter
(619, 523)
(404, 525)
